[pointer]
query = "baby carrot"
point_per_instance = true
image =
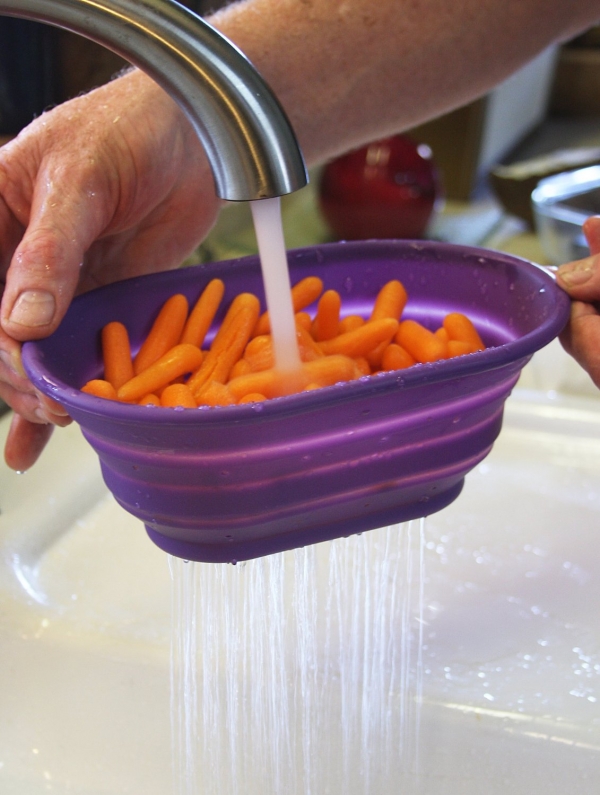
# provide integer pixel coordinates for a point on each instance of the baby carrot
(203, 313)
(330, 370)
(98, 387)
(362, 365)
(327, 320)
(304, 293)
(350, 322)
(258, 354)
(303, 319)
(241, 301)
(214, 393)
(459, 348)
(252, 397)
(421, 343)
(227, 348)
(164, 334)
(271, 383)
(396, 358)
(308, 348)
(149, 400)
(116, 354)
(442, 334)
(459, 327)
(363, 339)
(179, 360)
(241, 367)
(177, 395)
(390, 301)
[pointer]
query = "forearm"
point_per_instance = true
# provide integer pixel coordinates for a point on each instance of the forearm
(349, 71)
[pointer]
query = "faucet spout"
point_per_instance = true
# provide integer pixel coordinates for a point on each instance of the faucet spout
(249, 141)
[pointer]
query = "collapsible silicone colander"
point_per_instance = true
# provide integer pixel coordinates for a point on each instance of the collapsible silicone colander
(232, 483)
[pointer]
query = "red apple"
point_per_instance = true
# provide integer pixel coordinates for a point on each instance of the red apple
(387, 189)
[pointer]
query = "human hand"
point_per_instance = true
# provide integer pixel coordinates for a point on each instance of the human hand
(104, 187)
(581, 280)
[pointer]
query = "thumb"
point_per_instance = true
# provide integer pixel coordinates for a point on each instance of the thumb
(44, 271)
(581, 279)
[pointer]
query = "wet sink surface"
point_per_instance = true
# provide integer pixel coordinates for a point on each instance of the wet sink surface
(511, 637)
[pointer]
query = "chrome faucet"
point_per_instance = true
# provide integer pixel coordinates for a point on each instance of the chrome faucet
(248, 139)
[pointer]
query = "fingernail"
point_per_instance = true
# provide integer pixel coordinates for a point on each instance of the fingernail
(577, 273)
(33, 308)
(41, 416)
(13, 362)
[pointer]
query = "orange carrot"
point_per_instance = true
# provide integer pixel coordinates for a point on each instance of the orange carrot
(304, 293)
(303, 319)
(421, 343)
(179, 360)
(227, 348)
(271, 383)
(252, 397)
(203, 313)
(396, 358)
(362, 340)
(442, 334)
(308, 348)
(459, 348)
(259, 351)
(390, 301)
(116, 354)
(98, 387)
(214, 393)
(241, 367)
(149, 400)
(177, 395)
(350, 322)
(164, 334)
(327, 320)
(241, 301)
(362, 364)
(459, 327)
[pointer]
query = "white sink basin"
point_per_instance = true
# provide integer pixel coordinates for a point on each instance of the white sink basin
(511, 635)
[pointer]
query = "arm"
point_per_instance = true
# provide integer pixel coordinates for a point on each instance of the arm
(350, 71)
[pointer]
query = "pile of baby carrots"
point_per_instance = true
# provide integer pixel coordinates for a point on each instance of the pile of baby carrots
(174, 369)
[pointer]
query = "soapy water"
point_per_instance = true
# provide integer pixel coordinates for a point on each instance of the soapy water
(300, 672)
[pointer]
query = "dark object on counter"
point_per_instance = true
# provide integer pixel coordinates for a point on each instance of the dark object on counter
(28, 74)
(514, 183)
(387, 189)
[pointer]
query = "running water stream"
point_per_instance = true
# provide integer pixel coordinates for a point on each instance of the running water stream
(300, 672)
(268, 227)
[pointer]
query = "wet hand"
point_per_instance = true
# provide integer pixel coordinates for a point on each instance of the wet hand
(581, 280)
(108, 186)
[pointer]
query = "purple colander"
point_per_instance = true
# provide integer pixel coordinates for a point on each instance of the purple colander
(231, 483)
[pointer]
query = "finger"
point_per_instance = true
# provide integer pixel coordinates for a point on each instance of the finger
(25, 442)
(44, 271)
(581, 338)
(581, 279)
(591, 229)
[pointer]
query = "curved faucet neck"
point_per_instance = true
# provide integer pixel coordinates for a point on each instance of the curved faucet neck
(249, 141)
